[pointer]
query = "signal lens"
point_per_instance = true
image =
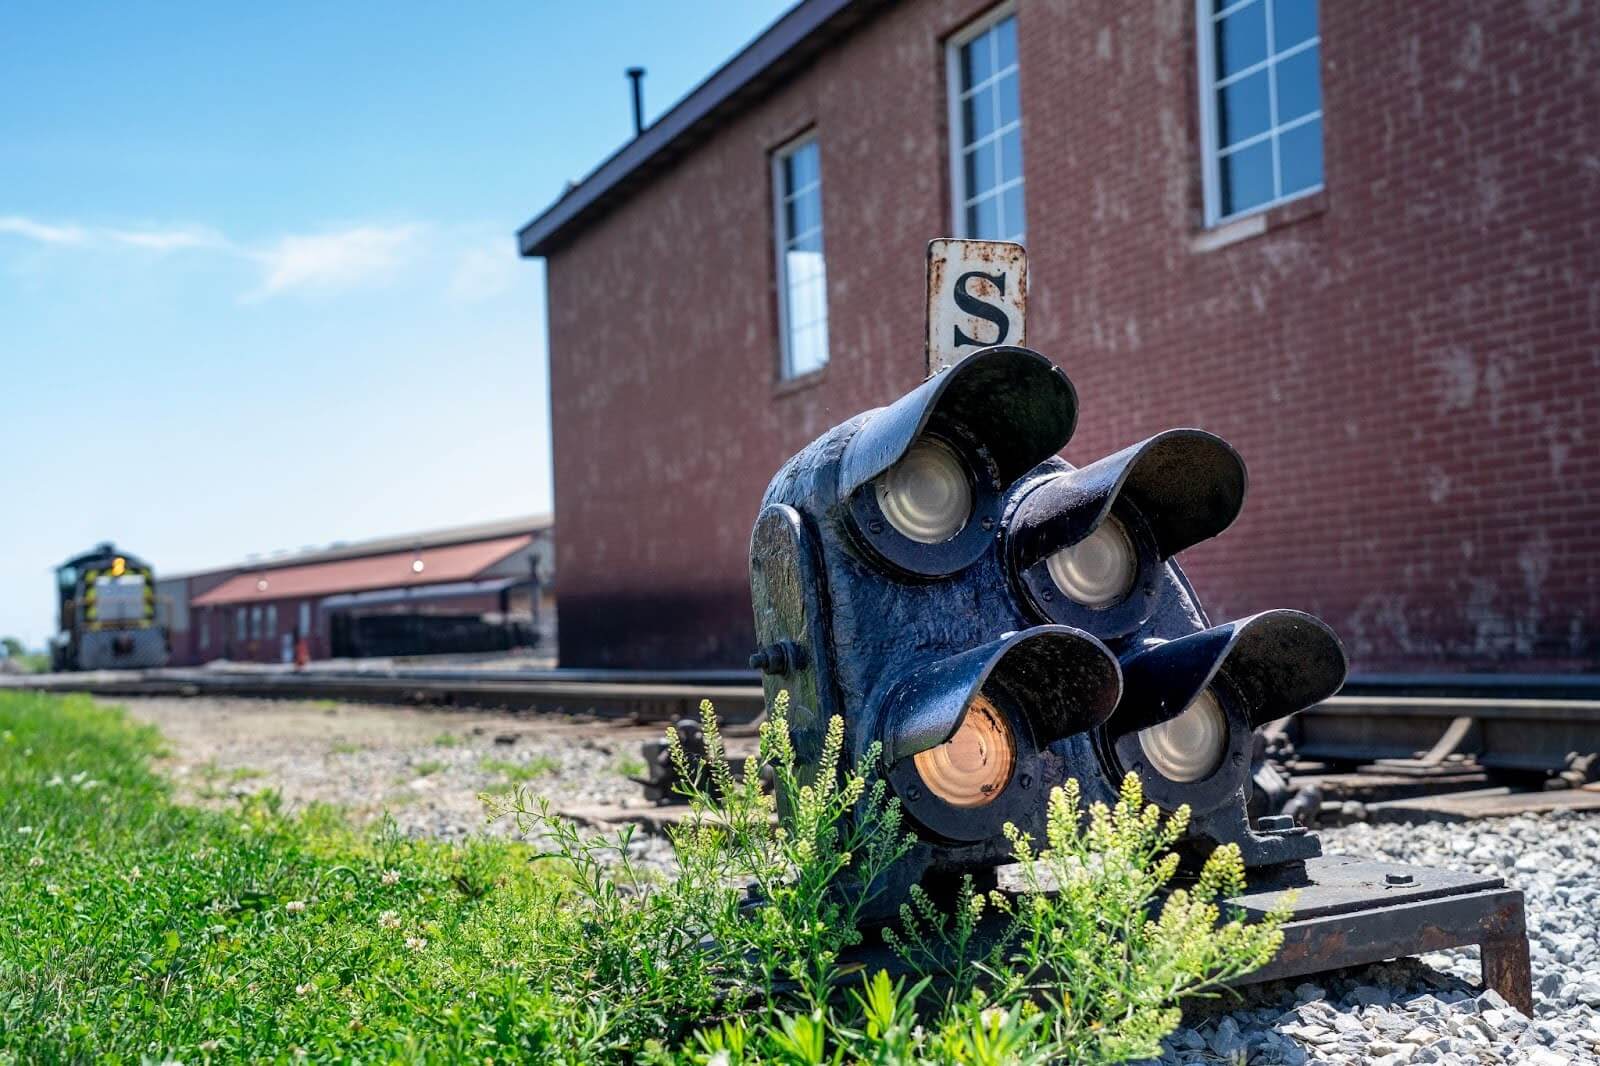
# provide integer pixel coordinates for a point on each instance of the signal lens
(972, 768)
(1100, 569)
(927, 495)
(1191, 746)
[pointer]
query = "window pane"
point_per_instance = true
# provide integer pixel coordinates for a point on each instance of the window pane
(801, 167)
(1299, 88)
(1005, 43)
(803, 214)
(978, 114)
(977, 61)
(1242, 39)
(983, 219)
(981, 168)
(1243, 109)
(1247, 178)
(1010, 109)
(1013, 224)
(1011, 156)
(1300, 155)
(1293, 21)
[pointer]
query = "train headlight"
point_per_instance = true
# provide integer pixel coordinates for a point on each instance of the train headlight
(1191, 746)
(972, 767)
(1099, 570)
(927, 495)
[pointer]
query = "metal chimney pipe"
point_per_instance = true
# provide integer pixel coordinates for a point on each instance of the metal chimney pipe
(636, 75)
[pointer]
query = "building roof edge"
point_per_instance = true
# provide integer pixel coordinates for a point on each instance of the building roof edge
(780, 49)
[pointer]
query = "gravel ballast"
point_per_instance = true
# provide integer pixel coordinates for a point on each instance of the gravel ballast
(427, 768)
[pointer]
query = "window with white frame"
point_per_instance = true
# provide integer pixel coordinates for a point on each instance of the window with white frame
(305, 618)
(986, 130)
(1261, 103)
(802, 278)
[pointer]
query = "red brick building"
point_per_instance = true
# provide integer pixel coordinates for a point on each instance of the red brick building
(1361, 243)
(466, 584)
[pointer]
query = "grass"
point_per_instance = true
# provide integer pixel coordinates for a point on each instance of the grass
(134, 929)
(346, 747)
(446, 740)
(426, 767)
(630, 766)
(511, 772)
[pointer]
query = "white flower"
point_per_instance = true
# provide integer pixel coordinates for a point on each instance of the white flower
(24, 829)
(416, 943)
(295, 906)
(305, 989)
(391, 877)
(134, 874)
(719, 1059)
(36, 862)
(210, 1045)
(992, 1017)
(78, 778)
(53, 889)
(55, 781)
(388, 920)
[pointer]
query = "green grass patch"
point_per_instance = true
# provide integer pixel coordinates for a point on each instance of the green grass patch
(446, 740)
(134, 929)
(630, 766)
(517, 773)
(425, 767)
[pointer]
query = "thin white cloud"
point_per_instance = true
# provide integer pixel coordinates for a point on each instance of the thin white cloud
(169, 240)
(330, 259)
(335, 259)
(42, 232)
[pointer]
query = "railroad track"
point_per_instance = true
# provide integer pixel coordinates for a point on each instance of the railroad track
(1448, 747)
(1401, 747)
(663, 696)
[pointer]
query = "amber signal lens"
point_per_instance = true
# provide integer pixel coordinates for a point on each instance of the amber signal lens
(972, 768)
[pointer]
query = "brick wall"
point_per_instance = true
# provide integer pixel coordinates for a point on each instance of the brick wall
(1405, 360)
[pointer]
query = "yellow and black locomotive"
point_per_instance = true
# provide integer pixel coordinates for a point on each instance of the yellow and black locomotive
(107, 605)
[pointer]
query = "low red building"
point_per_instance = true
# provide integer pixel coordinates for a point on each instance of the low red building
(467, 588)
(1362, 243)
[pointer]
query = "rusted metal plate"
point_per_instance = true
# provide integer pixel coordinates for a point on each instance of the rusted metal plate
(1350, 912)
(977, 297)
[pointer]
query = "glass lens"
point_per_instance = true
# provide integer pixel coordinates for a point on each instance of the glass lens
(927, 495)
(973, 767)
(1099, 570)
(1189, 747)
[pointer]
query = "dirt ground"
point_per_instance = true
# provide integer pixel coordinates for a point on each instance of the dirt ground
(425, 767)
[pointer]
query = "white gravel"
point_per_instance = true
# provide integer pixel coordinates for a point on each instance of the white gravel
(1430, 1010)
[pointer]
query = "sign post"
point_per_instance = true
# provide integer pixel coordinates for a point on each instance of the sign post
(977, 297)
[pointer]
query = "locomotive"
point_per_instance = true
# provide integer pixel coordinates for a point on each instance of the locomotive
(107, 605)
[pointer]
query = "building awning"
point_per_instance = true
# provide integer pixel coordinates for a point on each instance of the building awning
(392, 570)
(425, 594)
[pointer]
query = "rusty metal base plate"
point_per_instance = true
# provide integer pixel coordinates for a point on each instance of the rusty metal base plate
(1350, 912)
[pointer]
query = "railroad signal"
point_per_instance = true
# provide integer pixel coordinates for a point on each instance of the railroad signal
(996, 621)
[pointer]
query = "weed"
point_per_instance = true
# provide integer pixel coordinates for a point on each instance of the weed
(424, 767)
(631, 766)
(514, 773)
(446, 740)
(345, 747)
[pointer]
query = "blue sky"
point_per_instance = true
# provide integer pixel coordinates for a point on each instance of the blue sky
(258, 279)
